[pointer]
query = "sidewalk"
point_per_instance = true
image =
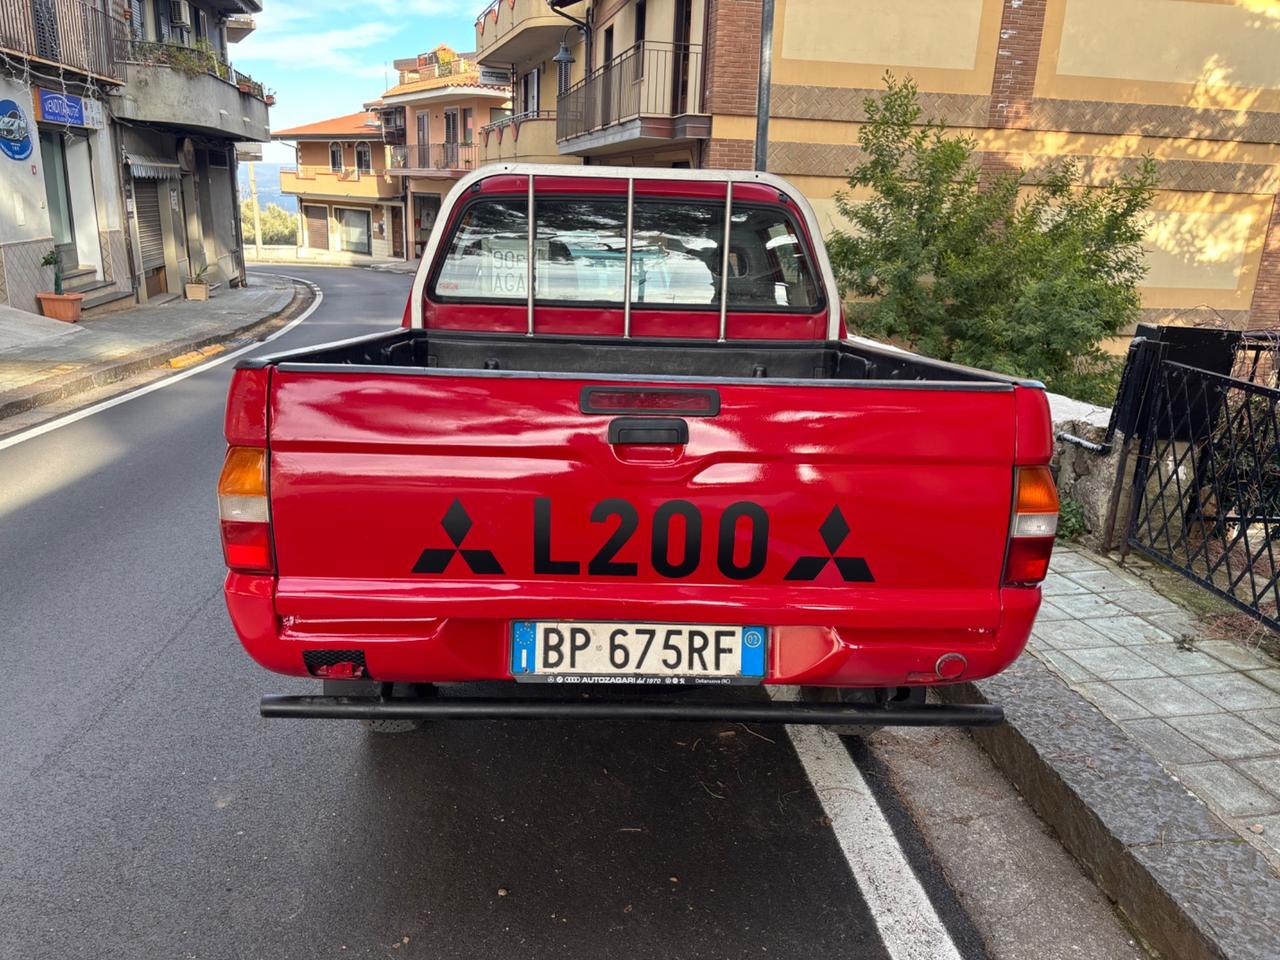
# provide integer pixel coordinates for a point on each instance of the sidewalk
(1206, 707)
(44, 360)
(1149, 740)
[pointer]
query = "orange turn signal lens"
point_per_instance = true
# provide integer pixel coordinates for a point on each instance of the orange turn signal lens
(244, 473)
(1037, 493)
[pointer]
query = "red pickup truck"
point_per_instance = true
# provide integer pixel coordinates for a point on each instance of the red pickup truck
(623, 440)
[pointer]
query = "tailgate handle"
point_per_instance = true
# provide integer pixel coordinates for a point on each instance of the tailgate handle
(665, 431)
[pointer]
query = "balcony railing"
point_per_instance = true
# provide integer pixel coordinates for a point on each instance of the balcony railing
(194, 61)
(435, 156)
(651, 79)
(67, 32)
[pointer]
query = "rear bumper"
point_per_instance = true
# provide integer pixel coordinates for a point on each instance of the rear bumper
(461, 649)
(441, 708)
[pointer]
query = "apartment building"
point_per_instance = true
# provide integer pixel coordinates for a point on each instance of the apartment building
(117, 123)
(349, 206)
(431, 119)
(1193, 83)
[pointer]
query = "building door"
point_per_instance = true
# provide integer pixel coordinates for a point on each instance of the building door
(355, 230)
(529, 91)
(317, 227)
(397, 231)
(146, 204)
(53, 154)
(680, 57)
(424, 142)
(606, 80)
(450, 159)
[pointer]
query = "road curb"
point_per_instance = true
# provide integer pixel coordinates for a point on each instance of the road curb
(1187, 882)
(52, 389)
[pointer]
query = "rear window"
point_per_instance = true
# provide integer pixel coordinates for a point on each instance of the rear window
(579, 252)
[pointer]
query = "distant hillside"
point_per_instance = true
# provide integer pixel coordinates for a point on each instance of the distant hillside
(268, 177)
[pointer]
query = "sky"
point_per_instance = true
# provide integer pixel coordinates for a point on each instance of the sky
(324, 58)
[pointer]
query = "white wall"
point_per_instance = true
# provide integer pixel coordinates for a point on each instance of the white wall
(24, 214)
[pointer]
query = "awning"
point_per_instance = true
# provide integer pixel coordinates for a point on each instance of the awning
(151, 168)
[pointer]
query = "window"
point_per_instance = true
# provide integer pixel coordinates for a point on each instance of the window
(676, 253)
(563, 78)
(767, 263)
(488, 258)
(335, 157)
(364, 158)
(581, 249)
(354, 229)
(498, 114)
(468, 124)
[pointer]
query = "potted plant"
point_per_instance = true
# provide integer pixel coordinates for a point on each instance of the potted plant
(197, 286)
(59, 305)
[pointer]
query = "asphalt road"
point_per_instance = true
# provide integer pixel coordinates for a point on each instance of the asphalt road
(147, 811)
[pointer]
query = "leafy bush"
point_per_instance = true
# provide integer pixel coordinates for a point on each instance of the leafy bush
(1023, 280)
(279, 226)
(1071, 522)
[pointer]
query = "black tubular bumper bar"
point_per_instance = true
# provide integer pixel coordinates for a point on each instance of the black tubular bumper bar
(775, 711)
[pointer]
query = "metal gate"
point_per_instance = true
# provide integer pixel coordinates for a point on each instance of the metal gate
(1206, 482)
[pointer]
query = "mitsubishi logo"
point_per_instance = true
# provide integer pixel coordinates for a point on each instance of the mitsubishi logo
(834, 532)
(457, 524)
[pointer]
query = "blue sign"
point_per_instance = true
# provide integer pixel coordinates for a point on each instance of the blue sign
(62, 108)
(15, 132)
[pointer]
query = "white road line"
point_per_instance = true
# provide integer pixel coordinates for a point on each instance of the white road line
(909, 926)
(50, 425)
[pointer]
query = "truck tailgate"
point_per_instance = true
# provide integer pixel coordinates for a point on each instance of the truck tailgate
(419, 496)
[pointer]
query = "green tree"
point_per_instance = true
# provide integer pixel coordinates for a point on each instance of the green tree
(279, 226)
(1024, 280)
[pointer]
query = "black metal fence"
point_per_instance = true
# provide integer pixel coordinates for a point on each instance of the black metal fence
(1206, 482)
(67, 32)
(650, 79)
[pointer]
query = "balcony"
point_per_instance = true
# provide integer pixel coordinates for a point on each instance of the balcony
(66, 33)
(527, 137)
(190, 88)
(435, 159)
(347, 184)
(514, 31)
(649, 95)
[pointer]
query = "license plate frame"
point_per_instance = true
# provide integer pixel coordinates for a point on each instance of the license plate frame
(525, 643)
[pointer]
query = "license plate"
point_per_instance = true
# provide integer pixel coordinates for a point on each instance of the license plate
(575, 651)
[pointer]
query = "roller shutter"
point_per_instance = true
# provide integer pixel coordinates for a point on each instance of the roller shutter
(317, 227)
(146, 199)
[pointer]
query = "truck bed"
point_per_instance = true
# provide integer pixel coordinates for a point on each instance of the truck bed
(411, 351)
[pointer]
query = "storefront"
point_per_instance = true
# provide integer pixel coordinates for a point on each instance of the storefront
(57, 162)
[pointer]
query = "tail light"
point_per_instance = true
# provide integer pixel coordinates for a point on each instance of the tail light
(244, 511)
(1032, 529)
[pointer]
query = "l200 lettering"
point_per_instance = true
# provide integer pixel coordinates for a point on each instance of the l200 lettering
(671, 556)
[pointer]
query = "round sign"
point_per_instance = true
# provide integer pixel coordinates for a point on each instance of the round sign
(15, 132)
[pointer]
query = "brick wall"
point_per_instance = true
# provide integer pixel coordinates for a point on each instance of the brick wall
(729, 154)
(1013, 82)
(733, 56)
(1264, 311)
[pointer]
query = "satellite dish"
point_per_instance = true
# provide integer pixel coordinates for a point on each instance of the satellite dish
(187, 156)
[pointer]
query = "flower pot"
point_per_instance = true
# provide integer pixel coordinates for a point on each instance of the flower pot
(197, 290)
(61, 306)
(244, 88)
